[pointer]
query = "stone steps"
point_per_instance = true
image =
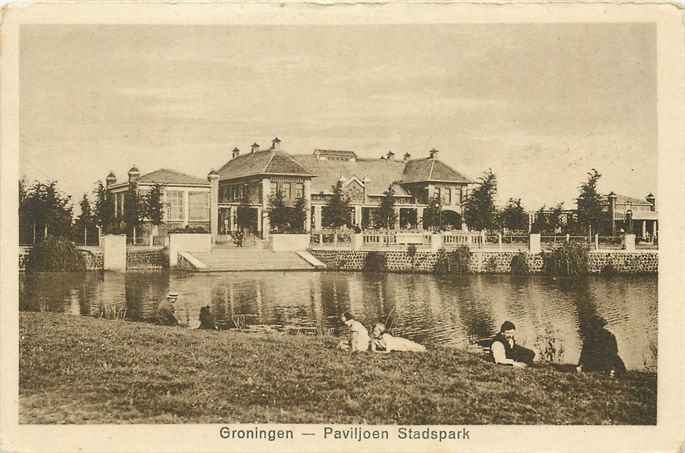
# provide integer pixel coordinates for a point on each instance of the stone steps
(232, 260)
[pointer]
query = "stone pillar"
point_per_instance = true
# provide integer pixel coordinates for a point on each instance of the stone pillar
(534, 243)
(260, 220)
(317, 217)
(213, 179)
(436, 241)
(397, 218)
(419, 218)
(114, 248)
(644, 229)
(629, 242)
(232, 216)
(308, 205)
(357, 241)
(263, 212)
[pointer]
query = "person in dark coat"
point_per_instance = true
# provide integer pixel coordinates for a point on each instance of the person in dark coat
(207, 318)
(505, 351)
(600, 350)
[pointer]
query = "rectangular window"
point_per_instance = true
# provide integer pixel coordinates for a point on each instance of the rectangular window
(198, 206)
(175, 208)
(447, 196)
(287, 187)
(438, 193)
(299, 190)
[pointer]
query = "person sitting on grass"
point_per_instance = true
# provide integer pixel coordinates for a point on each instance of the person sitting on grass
(359, 336)
(166, 311)
(600, 350)
(383, 341)
(505, 351)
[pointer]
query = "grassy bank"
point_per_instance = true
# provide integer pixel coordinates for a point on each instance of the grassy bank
(84, 370)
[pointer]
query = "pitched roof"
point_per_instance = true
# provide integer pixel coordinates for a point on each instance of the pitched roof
(167, 176)
(624, 199)
(270, 161)
(380, 173)
(427, 169)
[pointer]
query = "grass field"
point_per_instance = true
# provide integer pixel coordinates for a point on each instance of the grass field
(85, 370)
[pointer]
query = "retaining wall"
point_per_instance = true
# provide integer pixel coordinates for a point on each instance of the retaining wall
(93, 255)
(483, 261)
(139, 259)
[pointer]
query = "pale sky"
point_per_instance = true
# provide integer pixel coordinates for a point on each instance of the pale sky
(539, 104)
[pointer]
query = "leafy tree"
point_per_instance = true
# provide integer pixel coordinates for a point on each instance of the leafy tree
(44, 211)
(104, 208)
(480, 212)
(298, 215)
(590, 203)
(135, 211)
(432, 214)
(55, 254)
(514, 216)
(85, 224)
(279, 212)
(154, 209)
(387, 216)
(337, 211)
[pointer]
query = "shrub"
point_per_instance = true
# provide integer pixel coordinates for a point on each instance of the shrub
(519, 264)
(375, 262)
(55, 255)
(456, 261)
(569, 260)
(608, 268)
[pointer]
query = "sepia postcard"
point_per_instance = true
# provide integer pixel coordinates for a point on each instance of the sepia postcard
(334, 226)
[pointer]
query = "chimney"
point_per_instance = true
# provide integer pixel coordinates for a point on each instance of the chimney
(254, 147)
(111, 179)
(235, 153)
(390, 155)
(433, 153)
(275, 143)
(406, 157)
(133, 174)
(651, 200)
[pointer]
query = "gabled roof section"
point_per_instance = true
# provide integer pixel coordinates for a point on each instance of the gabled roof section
(377, 174)
(165, 176)
(268, 162)
(624, 199)
(428, 169)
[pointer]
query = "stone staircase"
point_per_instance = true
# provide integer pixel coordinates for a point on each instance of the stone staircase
(235, 259)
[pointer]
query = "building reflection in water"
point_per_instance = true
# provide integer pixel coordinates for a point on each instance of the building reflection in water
(550, 315)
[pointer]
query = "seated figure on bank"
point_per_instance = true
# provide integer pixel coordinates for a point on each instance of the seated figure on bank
(166, 311)
(600, 350)
(505, 351)
(207, 318)
(358, 335)
(383, 341)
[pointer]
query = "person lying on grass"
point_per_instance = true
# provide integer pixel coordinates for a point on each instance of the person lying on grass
(505, 351)
(358, 338)
(382, 341)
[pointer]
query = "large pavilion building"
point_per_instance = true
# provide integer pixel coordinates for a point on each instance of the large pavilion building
(243, 187)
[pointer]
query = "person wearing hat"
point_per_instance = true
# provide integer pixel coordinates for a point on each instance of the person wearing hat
(600, 349)
(166, 311)
(505, 351)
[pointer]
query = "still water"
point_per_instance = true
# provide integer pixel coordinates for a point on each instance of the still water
(433, 310)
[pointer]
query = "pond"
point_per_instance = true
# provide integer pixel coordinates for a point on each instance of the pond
(434, 310)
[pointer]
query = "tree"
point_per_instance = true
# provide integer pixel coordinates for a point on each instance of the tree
(337, 211)
(85, 222)
(154, 210)
(590, 203)
(514, 216)
(387, 216)
(104, 208)
(279, 212)
(432, 214)
(135, 211)
(44, 211)
(299, 214)
(480, 212)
